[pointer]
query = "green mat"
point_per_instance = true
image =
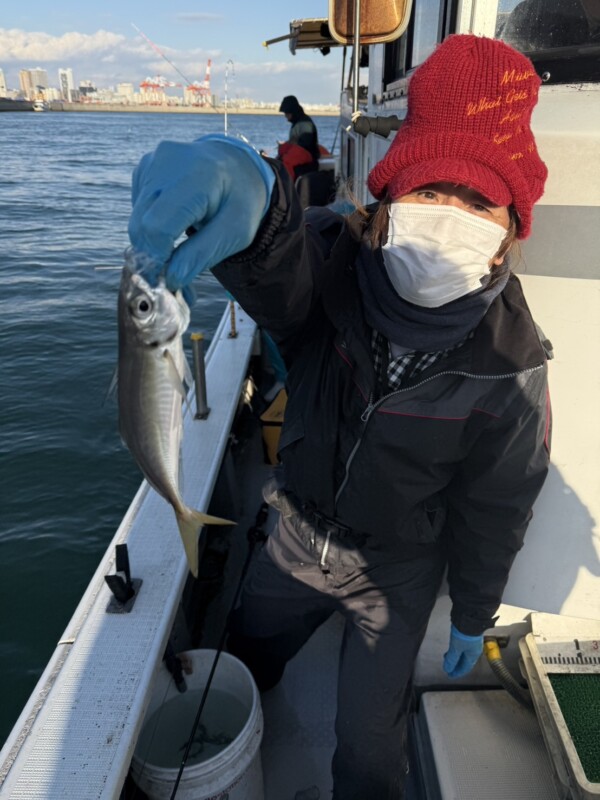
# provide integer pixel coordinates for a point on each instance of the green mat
(579, 700)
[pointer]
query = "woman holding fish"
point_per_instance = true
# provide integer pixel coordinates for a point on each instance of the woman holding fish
(416, 434)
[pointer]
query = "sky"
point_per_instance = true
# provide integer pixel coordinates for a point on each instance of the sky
(99, 43)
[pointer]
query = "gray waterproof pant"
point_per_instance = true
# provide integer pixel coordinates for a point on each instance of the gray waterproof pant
(386, 591)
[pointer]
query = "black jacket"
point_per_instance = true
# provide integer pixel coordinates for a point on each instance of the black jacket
(460, 451)
(303, 131)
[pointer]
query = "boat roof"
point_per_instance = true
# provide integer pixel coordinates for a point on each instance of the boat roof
(308, 34)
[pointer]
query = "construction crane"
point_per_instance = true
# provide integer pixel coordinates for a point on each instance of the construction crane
(157, 82)
(200, 90)
(153, 89)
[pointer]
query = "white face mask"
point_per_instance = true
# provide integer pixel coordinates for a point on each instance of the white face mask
(435, 254)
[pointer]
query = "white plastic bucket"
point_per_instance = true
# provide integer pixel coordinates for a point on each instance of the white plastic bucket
(234, 773)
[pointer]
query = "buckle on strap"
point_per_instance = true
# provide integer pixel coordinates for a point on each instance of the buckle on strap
(326, 524)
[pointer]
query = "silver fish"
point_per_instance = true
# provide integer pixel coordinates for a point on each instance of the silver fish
(151, 391)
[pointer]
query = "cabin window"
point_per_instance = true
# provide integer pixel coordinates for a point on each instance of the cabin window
(348, 147)
(394, 67)
(430, 22)
(561, 37)
(427, 17)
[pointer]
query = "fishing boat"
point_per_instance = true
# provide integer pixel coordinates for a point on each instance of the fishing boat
(40, 105)
(504, 730)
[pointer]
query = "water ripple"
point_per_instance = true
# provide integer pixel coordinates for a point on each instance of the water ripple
(66, 478)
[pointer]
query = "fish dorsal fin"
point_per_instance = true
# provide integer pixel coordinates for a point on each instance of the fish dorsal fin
(111, 392)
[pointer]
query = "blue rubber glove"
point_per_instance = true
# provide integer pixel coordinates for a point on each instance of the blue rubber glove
(217, 184)
(463, 653)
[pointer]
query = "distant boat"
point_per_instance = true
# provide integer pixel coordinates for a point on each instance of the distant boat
(8, 104)
(40, 105)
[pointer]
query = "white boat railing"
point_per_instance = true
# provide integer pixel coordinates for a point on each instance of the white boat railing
(76, 735)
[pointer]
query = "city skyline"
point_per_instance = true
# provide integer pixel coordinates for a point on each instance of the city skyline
(35, 85)
(103, 46)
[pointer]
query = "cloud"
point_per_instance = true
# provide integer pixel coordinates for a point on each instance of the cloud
(22, 46)
(103, 57)
(107, 58)
(293, 68)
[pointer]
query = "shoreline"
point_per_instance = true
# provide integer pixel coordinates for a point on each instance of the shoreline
(133, 109)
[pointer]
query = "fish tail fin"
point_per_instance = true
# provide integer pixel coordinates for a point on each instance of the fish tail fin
(190, 522)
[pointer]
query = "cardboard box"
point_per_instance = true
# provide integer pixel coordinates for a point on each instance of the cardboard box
(272, 420)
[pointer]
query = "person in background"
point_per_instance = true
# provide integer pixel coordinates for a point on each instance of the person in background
(300, 154)
(417, 429)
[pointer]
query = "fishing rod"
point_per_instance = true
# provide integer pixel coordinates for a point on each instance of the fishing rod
(161, 54)
(185, 78)
(254, 535)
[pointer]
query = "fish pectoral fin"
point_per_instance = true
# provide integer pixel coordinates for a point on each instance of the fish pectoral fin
(187, 371)
(174, 376)
(175, 380)
(190, 523)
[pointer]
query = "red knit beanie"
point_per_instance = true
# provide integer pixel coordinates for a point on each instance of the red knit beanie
(468, 122)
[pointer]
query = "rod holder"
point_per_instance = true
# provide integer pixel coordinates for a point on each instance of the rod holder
(124, 589)
(233, 328)
(382, 126)
(202, 409)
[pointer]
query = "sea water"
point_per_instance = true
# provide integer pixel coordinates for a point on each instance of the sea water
(165, 734)
(66, 478)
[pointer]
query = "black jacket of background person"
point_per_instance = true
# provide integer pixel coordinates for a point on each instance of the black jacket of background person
(303, 131)
(460, 451)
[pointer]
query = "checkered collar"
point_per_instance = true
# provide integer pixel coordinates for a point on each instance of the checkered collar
(406, 365)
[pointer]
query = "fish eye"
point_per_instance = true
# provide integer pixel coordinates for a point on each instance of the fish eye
(141, 307)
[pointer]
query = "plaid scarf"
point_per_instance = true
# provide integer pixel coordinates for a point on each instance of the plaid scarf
(407, 364)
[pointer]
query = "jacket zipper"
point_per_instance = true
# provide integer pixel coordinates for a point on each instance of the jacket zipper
(373, 405)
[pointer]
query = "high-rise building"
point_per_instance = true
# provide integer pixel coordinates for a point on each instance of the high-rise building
(125, 90)
(87, 89)
(3, 89)
(33, 82)
(25, 83)
(66, 83)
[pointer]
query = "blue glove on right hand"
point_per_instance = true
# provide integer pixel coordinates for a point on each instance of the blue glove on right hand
(463, 653)
(217, 184)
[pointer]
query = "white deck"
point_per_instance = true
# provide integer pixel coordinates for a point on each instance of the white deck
(483, 745)
(76, 735)
(299, 713)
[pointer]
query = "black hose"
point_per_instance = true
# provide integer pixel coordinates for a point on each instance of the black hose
(500, 670)
(255, 535)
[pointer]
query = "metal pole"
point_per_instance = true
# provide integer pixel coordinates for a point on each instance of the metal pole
(233, 329)
(356, 64)
(202, 409)
(226, 71)
(226, 94)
